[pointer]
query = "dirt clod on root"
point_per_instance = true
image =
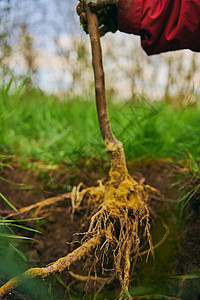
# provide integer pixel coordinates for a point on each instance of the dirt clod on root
(120, 213)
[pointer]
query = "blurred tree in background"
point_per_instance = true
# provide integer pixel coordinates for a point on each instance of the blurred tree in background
(5, 40)
(26, 42)
(44, 41)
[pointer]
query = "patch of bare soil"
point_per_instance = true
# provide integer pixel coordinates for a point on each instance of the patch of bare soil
(173, 273)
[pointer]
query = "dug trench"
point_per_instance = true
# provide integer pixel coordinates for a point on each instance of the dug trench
(172, 274)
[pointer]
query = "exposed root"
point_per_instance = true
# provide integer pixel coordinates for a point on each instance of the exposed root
(123, 216)
(75, 197)
(120, 216)
(86, 278)
(161, 241)
(40, 205)
(124, 295)
(54, 267)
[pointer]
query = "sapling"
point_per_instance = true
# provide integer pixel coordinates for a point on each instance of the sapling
(120, 209)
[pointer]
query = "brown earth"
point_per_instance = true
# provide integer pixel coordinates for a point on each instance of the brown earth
(175, 271)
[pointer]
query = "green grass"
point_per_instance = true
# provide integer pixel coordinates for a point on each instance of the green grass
(40, 127)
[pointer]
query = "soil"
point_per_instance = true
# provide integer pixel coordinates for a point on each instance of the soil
(174, 272)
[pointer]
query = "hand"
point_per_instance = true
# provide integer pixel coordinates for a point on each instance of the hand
(98, 4)
(106, 11)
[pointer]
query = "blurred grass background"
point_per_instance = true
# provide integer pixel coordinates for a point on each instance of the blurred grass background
(39, 126)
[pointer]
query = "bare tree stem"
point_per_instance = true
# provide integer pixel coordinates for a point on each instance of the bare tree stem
(99, 76)
(113, 147)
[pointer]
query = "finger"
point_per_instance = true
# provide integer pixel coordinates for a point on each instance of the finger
(111, 20)
(83, 17)
(80, 8)
(102, 12)
(101, 21)
(98, 4)
(103, 30)
(111, 24)
(95, 6)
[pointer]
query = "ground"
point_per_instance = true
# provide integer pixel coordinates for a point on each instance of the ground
(175, 270)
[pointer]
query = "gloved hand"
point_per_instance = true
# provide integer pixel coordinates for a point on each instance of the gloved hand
(106, 11)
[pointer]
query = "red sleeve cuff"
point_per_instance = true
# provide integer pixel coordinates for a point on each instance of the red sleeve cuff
(164, 25)
(129, 15)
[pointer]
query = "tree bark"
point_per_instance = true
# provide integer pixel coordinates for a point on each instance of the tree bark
(113, 147)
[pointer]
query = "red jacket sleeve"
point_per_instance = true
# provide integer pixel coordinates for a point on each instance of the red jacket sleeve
(164, 25)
